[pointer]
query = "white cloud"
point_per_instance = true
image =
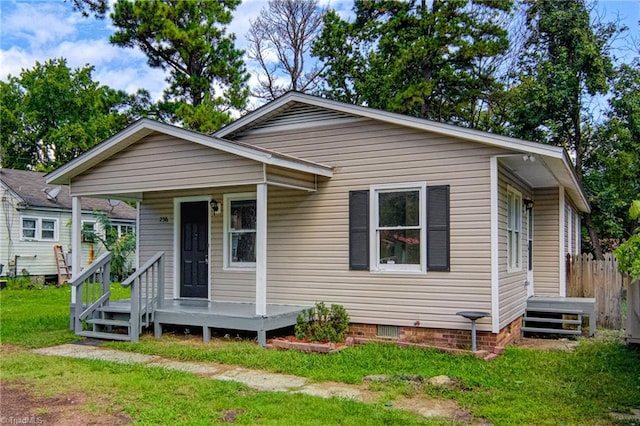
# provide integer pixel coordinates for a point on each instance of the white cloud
(130, 79)
(14, 60)
(37, 23)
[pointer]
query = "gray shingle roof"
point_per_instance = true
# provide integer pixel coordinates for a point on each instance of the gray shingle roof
(30, 187)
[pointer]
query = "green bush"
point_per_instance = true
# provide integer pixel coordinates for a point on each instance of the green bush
(23, 282)
(322, 324)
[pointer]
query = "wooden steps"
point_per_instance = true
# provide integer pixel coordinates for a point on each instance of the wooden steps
(109, 322)
(116, 315)
(547, 320)
(103, 335)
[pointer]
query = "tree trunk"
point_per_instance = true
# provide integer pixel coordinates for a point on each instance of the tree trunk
(593, 235)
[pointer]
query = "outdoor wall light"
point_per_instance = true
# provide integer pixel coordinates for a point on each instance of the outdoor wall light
(215, 205)
(528, 157)
(528, 203)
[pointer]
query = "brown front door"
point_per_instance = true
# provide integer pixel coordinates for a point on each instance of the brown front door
(194, 249)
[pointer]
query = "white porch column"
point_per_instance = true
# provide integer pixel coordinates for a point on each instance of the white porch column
(261, 249)
(76, 248)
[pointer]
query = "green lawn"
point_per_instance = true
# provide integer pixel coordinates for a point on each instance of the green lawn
(522, 386)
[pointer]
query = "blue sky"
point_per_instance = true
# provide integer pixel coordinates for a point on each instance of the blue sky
(37, 30)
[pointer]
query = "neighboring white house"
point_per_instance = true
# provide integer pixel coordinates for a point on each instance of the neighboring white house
(35, 217)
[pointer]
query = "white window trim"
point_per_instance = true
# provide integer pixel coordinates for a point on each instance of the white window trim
(374, 243)
(578, 234)
(518, 205)
(570, 231)
(228, 265)
(38, 228)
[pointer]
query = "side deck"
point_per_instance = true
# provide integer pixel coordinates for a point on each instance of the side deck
(584, 306)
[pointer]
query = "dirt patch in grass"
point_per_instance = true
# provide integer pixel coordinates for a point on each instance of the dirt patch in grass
(19, 405)
(566, 345)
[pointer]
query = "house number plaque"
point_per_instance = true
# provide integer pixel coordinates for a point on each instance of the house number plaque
(164, 219)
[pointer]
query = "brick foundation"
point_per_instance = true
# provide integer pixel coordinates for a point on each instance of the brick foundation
(445, 338)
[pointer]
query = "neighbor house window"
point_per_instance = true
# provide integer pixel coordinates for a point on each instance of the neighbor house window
(124, 230)
(514, 230)
(240, 230)
(398, 227)
(88, 232)
(39, 229)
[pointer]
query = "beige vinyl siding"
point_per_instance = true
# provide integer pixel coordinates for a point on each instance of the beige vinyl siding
(308, 232)
(159, 162)
(286, 177)
(546, 258)
(512, 292)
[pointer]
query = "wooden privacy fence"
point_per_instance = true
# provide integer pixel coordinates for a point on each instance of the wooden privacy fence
(589, 277)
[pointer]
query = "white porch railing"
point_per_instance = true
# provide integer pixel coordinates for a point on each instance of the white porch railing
(146, 296)
(91, 288)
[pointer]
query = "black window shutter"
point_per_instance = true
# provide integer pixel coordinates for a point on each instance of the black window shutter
(359, 230)
(438, 228)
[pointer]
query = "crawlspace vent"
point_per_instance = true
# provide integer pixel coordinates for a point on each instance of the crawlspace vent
(388, 331)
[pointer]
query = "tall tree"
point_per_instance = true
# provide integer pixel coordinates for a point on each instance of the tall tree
(566, 63)
(97, 8)
(50, 114)
(280, 42)
(612, 170)
(425, 59)
(206, 73)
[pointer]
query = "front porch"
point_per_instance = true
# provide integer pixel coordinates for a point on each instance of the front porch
(94, 314)
(225, 315)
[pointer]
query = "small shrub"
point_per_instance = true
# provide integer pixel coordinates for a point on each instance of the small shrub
(23, 282)
(322, 324)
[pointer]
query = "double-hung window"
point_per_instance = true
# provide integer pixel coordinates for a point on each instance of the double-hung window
(514, 230)
(39, 229)
(398, 227)
(240, 230)
(88, 232)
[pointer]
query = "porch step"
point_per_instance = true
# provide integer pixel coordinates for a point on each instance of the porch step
(556, 311)
(111, 322)
(553, 320)
(103, 335)
(551, 330)
(116, 309)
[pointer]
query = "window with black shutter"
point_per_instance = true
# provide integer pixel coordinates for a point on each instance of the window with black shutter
(405, 225)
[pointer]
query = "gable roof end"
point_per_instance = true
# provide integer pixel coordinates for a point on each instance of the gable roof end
(557, 155)
(145, 127)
